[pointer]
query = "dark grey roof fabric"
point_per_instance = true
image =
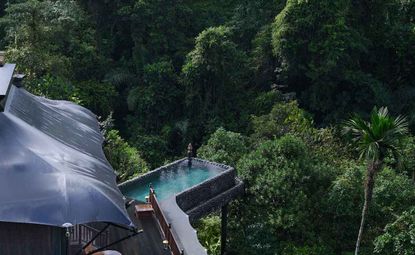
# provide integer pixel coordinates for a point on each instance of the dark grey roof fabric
(52, 167)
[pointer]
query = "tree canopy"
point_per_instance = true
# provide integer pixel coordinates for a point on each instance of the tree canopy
(261, 85)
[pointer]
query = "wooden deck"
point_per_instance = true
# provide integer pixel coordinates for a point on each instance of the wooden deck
(150, 242)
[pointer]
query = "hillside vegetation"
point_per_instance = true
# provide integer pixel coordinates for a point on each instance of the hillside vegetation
(263, 85)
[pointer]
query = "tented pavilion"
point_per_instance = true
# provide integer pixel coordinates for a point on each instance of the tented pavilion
(54, 177)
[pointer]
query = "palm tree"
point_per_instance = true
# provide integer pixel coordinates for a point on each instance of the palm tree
(374, 139)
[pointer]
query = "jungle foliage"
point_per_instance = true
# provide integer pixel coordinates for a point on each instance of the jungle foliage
(262, 85)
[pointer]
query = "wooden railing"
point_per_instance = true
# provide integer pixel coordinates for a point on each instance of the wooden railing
(82, 234)
(165, 226)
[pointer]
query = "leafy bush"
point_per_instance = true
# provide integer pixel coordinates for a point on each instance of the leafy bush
(284, 118)
(224, 147)
(208, 232)
(99, 97)
(125, 160)
(284, 187)
(399, 236)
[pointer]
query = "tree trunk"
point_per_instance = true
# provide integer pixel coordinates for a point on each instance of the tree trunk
(369, 184)
(224, 225)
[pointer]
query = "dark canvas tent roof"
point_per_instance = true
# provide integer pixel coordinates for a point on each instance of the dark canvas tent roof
(52, 167)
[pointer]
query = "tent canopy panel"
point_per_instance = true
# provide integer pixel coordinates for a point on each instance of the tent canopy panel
(52, 167)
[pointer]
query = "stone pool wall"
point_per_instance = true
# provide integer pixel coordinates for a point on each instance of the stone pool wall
(206, 190)
(215, 203)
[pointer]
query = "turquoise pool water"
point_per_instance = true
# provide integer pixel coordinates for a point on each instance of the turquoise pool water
(172, 181)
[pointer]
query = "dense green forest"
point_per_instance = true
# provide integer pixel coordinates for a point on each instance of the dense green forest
(262, 85)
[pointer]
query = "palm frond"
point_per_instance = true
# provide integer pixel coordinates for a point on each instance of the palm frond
(373, 138)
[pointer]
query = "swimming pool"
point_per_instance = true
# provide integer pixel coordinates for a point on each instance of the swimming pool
(185, 194)
(172, 181)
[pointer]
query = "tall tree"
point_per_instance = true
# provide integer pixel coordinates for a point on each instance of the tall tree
(374, 139)
(52, 42)
(319, 51)
(157, 100)
(159, 29)
(51, 38)
(213, 79)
